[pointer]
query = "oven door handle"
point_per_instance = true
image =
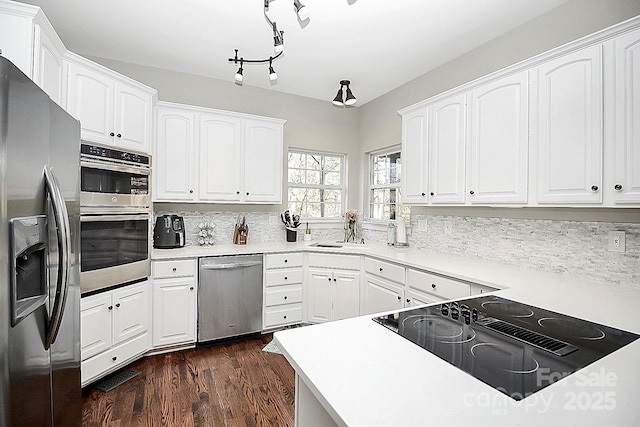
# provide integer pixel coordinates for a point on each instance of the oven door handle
(64, 244)
(113, 217)
(115, 167)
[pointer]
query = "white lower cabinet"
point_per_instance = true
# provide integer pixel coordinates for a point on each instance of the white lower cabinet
(114, 329)
(384, 286)
(333, 287)
(429, 288)
(174, 302)
(283, 291)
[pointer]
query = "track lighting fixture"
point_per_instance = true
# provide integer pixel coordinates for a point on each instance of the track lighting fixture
(278, 43)
(350, 100)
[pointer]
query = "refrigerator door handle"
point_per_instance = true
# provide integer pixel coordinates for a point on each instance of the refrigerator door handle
(64, 245)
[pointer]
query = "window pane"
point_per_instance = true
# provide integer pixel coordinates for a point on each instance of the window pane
(386, 172)
(318, 171)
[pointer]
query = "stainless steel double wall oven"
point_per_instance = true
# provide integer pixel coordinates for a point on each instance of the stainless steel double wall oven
(115, 217)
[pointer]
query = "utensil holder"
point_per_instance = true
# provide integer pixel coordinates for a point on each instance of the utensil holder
(292, 235)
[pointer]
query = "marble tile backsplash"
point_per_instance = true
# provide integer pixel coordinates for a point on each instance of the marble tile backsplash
(572, 247)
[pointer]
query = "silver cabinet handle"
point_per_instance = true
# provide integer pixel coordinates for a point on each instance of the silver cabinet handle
(64, 244)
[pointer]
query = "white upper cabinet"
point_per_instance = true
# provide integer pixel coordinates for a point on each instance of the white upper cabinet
(446, 151)
(175, 148)
(498, 141)
(626, 183)
(263, 162)
(112, 109)
(205, 155)
(29, 41)
(414, 157)
(220, 158)
(568, 122)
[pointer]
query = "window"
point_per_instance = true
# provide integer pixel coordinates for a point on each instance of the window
(316, 184)
(384, 183)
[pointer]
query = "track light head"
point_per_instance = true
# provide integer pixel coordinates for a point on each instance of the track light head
(301, 10)
(239, 75)
(272, 73)
(278, 39)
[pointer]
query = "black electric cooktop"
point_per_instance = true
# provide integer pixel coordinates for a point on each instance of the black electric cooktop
(516, 348)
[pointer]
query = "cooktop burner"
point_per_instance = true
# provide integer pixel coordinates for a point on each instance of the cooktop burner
(516, 348)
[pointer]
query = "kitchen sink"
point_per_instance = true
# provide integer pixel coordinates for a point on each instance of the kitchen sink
(326, 245)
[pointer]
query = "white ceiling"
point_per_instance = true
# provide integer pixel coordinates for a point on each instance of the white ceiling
(377, 44)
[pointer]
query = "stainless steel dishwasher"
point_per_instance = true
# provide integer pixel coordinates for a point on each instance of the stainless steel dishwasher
(229, 296)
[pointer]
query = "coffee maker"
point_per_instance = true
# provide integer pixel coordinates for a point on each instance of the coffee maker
(168, 232)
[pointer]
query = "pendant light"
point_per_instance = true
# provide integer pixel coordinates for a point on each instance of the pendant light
(350, 100)
(301, 10)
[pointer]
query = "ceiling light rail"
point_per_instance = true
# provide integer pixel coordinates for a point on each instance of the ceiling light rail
(278, 43)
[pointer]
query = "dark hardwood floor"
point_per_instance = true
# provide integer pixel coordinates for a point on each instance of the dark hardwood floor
(235, 384)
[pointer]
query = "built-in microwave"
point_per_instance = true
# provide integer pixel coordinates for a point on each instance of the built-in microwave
(111, 178)
(114, 248)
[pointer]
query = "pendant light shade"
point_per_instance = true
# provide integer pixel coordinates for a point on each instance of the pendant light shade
(350, 100)
(272, 73)
(239, 75)
(337, 101)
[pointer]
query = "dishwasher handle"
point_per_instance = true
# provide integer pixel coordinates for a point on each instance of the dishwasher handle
(230, 265)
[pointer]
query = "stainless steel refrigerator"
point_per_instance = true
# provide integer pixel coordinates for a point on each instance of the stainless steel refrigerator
(39, 260)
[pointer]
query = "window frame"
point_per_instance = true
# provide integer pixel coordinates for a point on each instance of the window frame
(342, 187)
(371, 186)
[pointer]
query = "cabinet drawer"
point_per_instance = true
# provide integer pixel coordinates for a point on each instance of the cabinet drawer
(283, 295)
(384, 269)
(343, 262)
(437, 285)
(105, 362)
(174, 268)
(282, 315)
(283, 277)
(283, 260)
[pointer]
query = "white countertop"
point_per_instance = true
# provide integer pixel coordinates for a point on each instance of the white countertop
(365, 375)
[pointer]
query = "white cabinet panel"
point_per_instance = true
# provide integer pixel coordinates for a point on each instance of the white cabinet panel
(95, 318)
(90, 100)
(174, 175)
(48, 63)
(133, 110)
(382, 296)
(346, 295)
(569, 128)
(498, 141)
(332, 295)
(627, 119)
(131, 312)
(414, 157)
(174, 311)
(220, 158)
(263, 162)
(447, 138)
(319, 285)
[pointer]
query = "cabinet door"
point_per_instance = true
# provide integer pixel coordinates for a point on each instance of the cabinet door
(415, 299)
(90, 100)
(627, 117)
(133, 118)
(319, 285)
(220, 158)
(131, 312)
(173, 163)
(499, 141)
(382, 296)
(414, 157)
(174, 311)
(346, 295)
(47, 63)
(447, 151)
(16, 36)
(95, 321)
(569, 128)
(263, 162)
